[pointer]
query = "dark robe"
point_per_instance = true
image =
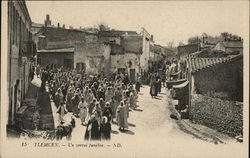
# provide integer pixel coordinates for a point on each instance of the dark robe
(137, 86)
(75, 102)
(153, 89)
(105, 130)
(108, 113)
(91, 107)
(95, 132)
(159, 86)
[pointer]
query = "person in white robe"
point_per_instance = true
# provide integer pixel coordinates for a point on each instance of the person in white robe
(122, 118)
(61, 111)
(83, 108)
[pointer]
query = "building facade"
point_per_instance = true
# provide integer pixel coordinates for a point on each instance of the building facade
(93, 57)
(56, 45)
(147, 53)
(61, 58)
(228, 47)
(21, 50)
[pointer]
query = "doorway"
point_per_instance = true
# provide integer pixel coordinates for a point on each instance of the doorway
(68, 64)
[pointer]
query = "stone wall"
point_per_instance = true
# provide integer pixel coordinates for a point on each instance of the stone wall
(132, 44)
(224, 80)
(122, 61)
(222, 115)
(62, 38)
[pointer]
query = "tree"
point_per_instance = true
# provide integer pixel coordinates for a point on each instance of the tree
(230, 37)
(181, 43)
(193, 40)
(170, 44)
(103, 27)
(225, 35)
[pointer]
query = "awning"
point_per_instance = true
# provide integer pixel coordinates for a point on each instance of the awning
(68, 50)
(182, 85)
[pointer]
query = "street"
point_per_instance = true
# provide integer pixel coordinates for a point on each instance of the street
(150, 119)
(150, 129)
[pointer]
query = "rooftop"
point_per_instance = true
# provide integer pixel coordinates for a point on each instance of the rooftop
(198, 64)
(115, 33)
(37, 24)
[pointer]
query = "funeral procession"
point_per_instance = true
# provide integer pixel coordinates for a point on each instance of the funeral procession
(75, 73)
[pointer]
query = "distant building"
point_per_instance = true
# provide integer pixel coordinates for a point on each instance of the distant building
(112, 36)
(147, 53)
(21, 51)
(58, 40)
(230, 47)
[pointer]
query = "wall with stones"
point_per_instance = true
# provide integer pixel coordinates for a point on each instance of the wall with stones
(223, 115)
(122, 61)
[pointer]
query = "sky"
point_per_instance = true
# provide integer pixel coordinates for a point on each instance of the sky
(167, 21)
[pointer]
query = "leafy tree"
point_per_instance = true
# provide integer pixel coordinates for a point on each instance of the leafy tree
(103, 27)
(170, 44)
(193, 40)
(181, 43)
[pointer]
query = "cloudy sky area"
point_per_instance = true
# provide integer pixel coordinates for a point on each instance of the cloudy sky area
(167, 21)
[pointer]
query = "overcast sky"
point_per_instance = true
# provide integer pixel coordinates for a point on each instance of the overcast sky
(167, 21)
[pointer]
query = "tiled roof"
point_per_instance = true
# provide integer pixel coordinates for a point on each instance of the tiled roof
(62, 50)
(198, 64)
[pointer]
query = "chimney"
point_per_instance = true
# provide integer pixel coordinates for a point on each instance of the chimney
(80, 27)
(152, 37)
(58, 25)
(63, 26)
(47, 17)
(47, 21)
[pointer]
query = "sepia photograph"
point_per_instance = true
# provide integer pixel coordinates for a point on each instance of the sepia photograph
(124, 79)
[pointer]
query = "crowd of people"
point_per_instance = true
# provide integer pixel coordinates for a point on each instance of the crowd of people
(99, 101)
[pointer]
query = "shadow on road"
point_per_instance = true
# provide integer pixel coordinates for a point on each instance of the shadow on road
(114, 132)
(157, 98)
(131, 124)
(163, 93)
(138, 110)
(128, 132)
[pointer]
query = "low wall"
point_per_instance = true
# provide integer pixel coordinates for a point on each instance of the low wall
(222, 115)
